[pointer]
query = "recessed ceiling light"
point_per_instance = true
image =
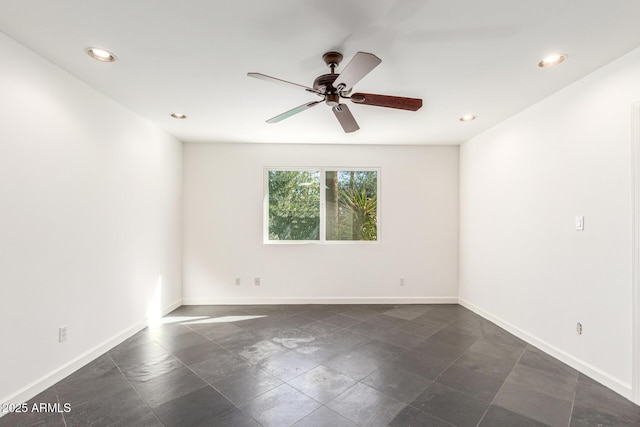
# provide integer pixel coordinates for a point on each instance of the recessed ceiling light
(552, 60)
(178, 116)
(100, 54)
(468, 118)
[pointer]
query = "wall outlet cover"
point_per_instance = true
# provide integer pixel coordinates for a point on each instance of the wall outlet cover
(62, 333)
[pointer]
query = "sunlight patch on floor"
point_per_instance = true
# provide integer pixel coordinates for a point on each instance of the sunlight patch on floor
(224, 319)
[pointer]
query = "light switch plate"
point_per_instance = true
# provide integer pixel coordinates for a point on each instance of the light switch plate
(579, 223)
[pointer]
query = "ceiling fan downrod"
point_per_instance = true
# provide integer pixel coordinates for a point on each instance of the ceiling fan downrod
(332, 59)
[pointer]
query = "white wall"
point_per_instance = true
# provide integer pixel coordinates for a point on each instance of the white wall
(522, 184)
(90, 221)
(223, 205)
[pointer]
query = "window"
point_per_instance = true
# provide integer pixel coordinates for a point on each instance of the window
(294, 205)
(299, 209)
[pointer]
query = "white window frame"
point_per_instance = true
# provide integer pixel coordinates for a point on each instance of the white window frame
(323, 214)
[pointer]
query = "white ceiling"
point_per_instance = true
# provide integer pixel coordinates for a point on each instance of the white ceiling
(192, 56)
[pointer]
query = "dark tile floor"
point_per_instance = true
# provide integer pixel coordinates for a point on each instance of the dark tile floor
(330, 365)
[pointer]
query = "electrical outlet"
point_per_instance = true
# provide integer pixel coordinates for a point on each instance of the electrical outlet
(256, 281)
(402, 281)
(62, 333)
(237, 281)
(579, 328)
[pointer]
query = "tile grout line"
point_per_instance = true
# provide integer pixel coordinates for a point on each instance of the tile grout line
(444, 370)
(253, 365)
(434, 380)
(64, 420)
(320, 364)
(314, 321)
(573, 401)
(503, 383)
(341, 329)
(135, 389)
(453, 363)
(205, 381)
(277, 328)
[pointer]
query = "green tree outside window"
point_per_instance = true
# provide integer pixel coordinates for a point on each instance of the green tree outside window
(350, 211)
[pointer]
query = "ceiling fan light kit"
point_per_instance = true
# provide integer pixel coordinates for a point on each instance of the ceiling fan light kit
(333, 88)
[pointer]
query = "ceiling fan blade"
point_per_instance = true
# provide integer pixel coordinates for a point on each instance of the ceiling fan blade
(277, 80)
(345, 118)
(411, 104)
(290, 113)
(359, 66)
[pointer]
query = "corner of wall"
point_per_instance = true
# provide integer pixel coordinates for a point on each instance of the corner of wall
(635, 252)
(51, 378)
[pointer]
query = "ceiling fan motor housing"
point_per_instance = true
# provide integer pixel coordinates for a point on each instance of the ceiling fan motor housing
(324, 83)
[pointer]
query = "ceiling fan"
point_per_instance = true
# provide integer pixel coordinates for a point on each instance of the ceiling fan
(332, 88)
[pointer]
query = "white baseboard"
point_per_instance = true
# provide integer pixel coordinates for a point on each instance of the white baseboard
(605, 379)
(168, 309)
(38, 386)
(41, 384)
(320, 300)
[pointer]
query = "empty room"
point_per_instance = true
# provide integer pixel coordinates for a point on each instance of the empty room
(320, 213)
